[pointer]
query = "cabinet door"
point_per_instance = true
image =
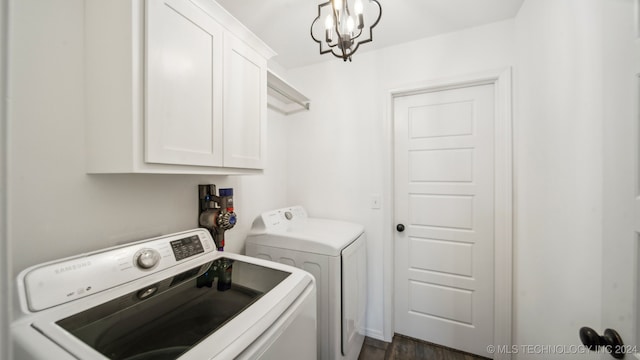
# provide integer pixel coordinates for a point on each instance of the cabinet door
(245, 105)
(183, 119)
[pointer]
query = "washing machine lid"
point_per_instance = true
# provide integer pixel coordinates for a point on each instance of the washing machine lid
(92, 329)
(313, 235)
(125, 302)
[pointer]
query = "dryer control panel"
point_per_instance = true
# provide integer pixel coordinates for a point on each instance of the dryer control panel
(283, 219)
(72, 278)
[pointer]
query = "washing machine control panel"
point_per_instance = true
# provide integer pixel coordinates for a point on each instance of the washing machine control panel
(65, 280)
(186, 247)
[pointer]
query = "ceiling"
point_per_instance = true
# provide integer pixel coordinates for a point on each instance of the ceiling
(284, 24)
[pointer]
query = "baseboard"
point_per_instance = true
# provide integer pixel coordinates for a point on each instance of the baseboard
(375, 334)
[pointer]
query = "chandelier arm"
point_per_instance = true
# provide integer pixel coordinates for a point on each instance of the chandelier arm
(316, 19)
(330, 50)
(357, 36)
(370, 39)
(311, 32)
(343, 57)
(322, 52)
(355, 48)
(379, 14)
(360, 43)
(337, 26)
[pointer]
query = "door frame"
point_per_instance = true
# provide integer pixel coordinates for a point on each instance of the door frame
(5, 259)
(503, 197)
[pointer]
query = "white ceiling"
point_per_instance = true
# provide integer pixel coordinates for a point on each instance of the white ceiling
(285, 24)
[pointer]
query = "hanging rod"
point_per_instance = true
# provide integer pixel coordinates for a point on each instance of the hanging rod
(283, 97)
(283, 93)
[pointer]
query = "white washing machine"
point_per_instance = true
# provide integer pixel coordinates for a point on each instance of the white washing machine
(163, 298)
(334, 252)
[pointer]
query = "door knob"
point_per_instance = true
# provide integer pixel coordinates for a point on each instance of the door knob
(400, 227)
(611, 341)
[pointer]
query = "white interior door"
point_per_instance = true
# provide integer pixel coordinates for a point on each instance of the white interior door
(444, 193)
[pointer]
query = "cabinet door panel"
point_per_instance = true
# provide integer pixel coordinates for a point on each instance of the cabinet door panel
(183, 85)
(245, 105)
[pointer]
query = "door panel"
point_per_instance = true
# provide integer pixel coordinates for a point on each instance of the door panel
(441, 165)
(183, 85)
(445, 211)
(444, 191)
(441, 256)
(245, 104)
(445, 302)
(441, 120)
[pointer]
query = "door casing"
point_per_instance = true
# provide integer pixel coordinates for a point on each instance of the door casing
(5, 259)
(503, 197)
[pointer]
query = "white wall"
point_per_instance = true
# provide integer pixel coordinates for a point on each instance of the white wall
(337, 158)
(558, 124)
(337, 152)
(57, 210)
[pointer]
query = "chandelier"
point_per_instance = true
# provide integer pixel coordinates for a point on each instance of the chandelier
(344, 26)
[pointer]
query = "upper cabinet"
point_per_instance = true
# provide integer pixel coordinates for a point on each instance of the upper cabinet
(173, 86)
(245, 104)
(184, 85)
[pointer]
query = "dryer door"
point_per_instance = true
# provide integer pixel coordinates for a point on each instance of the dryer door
(354, 295)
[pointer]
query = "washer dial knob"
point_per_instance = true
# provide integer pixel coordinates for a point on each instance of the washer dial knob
(147, 258)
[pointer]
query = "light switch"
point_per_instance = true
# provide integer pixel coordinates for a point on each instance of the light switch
(376, 202)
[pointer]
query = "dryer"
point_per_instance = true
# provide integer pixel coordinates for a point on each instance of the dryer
(334, 252)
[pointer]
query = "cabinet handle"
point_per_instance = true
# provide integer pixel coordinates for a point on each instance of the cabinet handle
(400, 227)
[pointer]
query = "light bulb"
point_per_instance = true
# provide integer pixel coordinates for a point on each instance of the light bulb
(328, 22)
(350, 24)
(357, 7)
(328, 25)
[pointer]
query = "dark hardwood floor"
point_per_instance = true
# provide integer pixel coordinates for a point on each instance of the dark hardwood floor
(406, 348)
